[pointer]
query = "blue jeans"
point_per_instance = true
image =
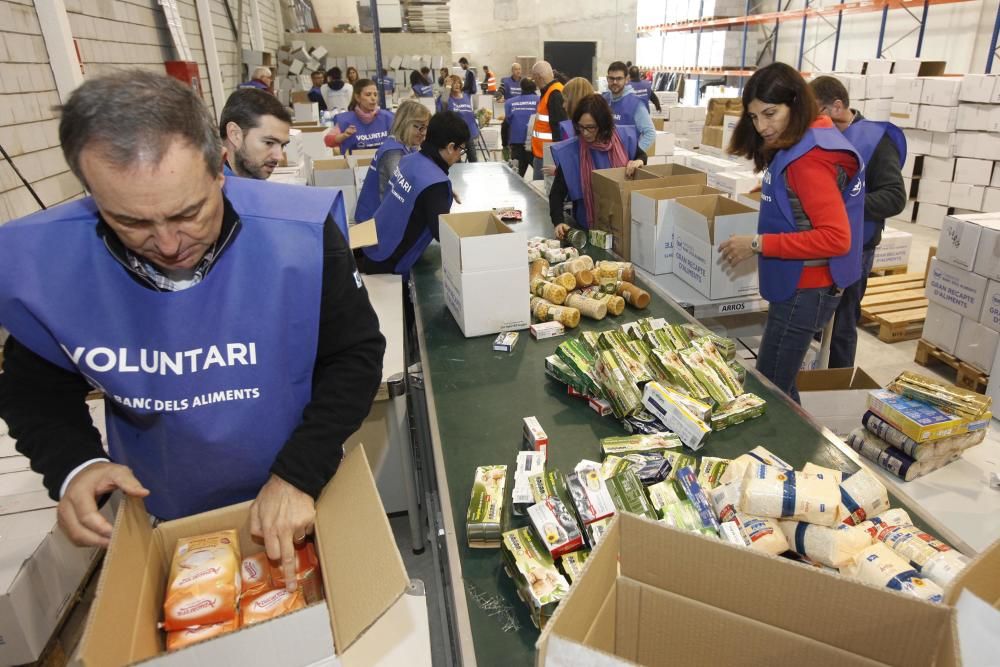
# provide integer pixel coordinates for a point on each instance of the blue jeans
(790, 328)
(845, 322)
(536, 166)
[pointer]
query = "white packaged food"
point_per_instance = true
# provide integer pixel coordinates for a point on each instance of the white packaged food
(833, 547)
(861, 496)
(879, 566)
(725, 500)
(738, 466)
(786, 494)
(763, 533)
(934, 559)
(814, 469)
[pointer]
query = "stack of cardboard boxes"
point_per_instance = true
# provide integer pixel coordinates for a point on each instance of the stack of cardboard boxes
(963, 286)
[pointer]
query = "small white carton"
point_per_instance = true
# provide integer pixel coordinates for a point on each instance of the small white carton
(484, 273)
(653, 228)
(977, 344)
(910, 165)
(960, 237)
(306, 112)
(937, 119)
(893, 250)
(938, 168)
(941, 327)
(991, 200)
(978, 117)
(918, 142)
(980, 88)
(733, 182)
(941, 91)
(990, 316)
(931, 215)
(701, 223)
(664, 144)
(995, 181)
(956, 289)
(933, 191)
(904, 114)
(973, 171)
(982, 145)
(909, 90)
(942, 144)
(988, 252)
(966, 196)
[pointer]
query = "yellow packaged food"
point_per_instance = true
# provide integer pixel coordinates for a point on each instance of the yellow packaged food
(204, 583)
(183, 638)
(255, 575)
(270, 605)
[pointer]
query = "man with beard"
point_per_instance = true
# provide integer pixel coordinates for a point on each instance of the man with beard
(254, 128)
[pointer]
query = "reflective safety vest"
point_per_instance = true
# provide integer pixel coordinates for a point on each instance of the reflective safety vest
(541, 134)
(491, 83)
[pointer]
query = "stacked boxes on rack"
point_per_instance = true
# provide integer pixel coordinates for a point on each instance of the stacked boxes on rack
(963, 286)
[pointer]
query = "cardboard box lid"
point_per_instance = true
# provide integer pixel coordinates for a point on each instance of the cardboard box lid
(485, 242)
(363, 234)
(714, 209)
(330, 164)
(661, 170)
(300, 97)
(351, 531)
(831, 379)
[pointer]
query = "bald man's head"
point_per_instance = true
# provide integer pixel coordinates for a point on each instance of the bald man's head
(541, 73)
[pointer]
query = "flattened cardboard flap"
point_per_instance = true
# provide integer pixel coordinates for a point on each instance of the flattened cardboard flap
(363, 234)
(982, 577)
(363, 573)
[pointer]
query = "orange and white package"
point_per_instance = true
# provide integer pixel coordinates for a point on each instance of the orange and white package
(179, 639)
(269, 605)
(255, 575)
(204, 583)
(307, 573)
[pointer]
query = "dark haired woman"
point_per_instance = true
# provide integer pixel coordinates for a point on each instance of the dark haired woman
(811, 216)
(598, 144)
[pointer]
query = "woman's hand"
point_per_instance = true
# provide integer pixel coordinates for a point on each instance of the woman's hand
(632, 167)
(351, 129)
(736, 249)
(549, 170)
(561, 230)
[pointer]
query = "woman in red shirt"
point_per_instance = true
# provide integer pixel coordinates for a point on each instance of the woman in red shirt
(811, 214)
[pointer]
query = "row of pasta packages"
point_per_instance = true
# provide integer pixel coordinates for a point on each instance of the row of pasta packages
(818, 516)
(212, 590)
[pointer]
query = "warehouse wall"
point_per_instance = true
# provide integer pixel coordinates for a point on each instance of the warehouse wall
(330, 13)
(497, 41)
(393, 43)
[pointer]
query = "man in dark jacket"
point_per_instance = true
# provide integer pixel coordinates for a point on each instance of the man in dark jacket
(883, 148)
(469, 86)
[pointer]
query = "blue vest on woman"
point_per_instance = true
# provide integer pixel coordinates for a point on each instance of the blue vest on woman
(866, 136)
(566, 155)
(367, 136)
(203, 386)
(414, 174)
(369, 200)
(463, 107)
(423, 90)
(779, 278)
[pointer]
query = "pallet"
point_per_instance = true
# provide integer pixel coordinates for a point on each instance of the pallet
(967, 376)
(896, 305)
(889, 271)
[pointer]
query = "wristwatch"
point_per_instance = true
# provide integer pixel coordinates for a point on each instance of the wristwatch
(755, 244)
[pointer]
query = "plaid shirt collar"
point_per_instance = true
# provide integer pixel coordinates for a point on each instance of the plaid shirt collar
(150, 275)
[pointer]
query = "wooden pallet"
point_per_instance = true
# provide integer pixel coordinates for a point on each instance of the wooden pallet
(967, 376)
(897, 305)
(889, 271)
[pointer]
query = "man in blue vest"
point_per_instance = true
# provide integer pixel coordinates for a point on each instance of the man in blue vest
(223, 319)
(626, 108)
(642, 89)
(514, 129)
(387, 83)
(316, 93)
(260, 79)
(254, 128)
(510, 86)
(419, 192)
(883, 148)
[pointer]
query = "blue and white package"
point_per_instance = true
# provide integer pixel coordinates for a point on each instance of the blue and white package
(786, 494)
(879, 566)
(689, 482)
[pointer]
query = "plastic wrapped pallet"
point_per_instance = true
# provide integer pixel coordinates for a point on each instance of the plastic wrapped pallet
(783, 494)
(879, 566)
(833, 547)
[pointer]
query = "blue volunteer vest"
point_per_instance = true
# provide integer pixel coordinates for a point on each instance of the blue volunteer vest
(623, 109)
(203, 386)
(566, 155)
(414, 174)
(779, 278)
(642, 91)
(368, 136)
(463, 107)
(423, 90)
(369, 200)
(865, 135)
(511, 88)
(388, 84)
(518, 110)
(567, 129)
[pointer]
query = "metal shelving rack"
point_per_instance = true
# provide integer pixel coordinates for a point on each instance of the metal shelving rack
(784, 14)
(993, 53)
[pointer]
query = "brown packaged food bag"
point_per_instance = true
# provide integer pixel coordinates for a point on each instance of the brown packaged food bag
(183, 638)
(204, 583)
(270, 604)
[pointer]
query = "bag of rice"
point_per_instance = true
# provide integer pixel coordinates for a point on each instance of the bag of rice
(179, 639)
(861, 496)
(833, 547)
(879, 566)
(270, 605)
(763, 534)
(813, 469)
(737, 467)
(786, 494)
(204, 583)
(934, 559)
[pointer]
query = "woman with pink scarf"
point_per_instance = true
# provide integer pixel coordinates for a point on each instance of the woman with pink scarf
(598, 144)
(364, 124)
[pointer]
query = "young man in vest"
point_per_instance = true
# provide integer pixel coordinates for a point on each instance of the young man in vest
(254, 128)
(469, 85)
(626, 108)
(883, 148)
(222, 318)
(514, 130)
(510, 86)
(548, 115)
(419, 192)
(642, 89)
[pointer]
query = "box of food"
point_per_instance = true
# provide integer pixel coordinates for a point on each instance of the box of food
(534, 435)
(530, 565)
(956, 289)
(555, 523)
(669, 407)
(590, 495)
(629, 494)
(482, 521)
(653, 227)
(918, 420)
(505, 341)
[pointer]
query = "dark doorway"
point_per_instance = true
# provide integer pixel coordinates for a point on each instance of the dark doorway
(572, 58)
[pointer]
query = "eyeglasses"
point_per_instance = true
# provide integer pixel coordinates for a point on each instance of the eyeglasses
(615, 79)
(586, 128)
(462, 150)
(418, 127)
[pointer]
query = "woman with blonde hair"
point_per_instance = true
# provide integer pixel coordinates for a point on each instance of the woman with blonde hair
(575, 90)
(460, 102)
(409, 129)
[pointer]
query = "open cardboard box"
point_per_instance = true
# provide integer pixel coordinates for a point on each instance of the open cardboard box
(836, 397)
(363, 577)
(650, 593)
(652, 230)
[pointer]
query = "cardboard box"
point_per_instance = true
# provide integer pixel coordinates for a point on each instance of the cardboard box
(664, 144)
(918, 142)
(980, 88)
(352, 535)
(893, 249)
(978, 117)
(643, 595)
(960, 237)
(967, 196)
(308, 111)
(751, 199)
(613, 196)
(988, 253)
(990, 317)
(995, 181)
(977, 344)
(938, 168)
(918, 67)
(653, 230)
(701, 223)
(337, 173)
(973, 171)
(904, 114)
(711, 135)
(921, 421)
(908, 212)
(933, 191)
(931, 215)
(733, 182)
(991, 200)
(941, 91)
(484, 272)
(941, 327)
(729, 123)
(836, 397)
(912, 165)
(981, 145)
(942, 144)
(956, 289)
